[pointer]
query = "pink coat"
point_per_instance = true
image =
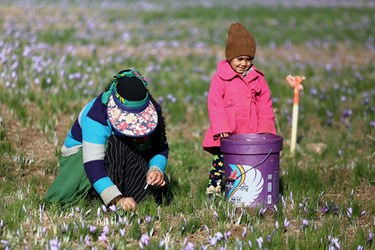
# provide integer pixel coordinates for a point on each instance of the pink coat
(238, 105)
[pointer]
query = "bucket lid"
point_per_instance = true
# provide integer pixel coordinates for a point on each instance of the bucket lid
(252, 144)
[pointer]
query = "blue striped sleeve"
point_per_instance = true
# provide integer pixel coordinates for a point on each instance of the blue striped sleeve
(103, 183)
(159, 161)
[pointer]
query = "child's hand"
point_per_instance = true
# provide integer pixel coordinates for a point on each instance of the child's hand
(222, 135)
(127, 203)
(155, 178)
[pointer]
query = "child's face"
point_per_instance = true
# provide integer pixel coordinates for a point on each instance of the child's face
(240, 64)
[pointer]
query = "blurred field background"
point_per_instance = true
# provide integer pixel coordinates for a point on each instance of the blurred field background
(57, 55)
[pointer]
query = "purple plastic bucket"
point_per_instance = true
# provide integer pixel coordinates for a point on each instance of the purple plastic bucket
(251, 165)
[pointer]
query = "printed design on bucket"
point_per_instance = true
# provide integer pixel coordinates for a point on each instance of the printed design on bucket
(247, 185)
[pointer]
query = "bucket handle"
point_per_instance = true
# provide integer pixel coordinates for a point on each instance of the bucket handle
(257, 165)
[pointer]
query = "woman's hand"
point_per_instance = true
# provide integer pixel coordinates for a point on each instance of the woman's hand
(127, 203)
(155, 178)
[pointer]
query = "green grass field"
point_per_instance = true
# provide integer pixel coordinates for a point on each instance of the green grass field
(54, 57)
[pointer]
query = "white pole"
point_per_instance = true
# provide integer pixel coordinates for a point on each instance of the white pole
(295, 82)
(293, 139)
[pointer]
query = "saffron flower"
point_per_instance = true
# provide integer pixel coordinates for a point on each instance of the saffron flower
(325, 209)
(213, 241)
(102, 237)
(260, 242)
(189, 246)
(262, 211)
(87, 241)
(105, 229)
(227, 235)
(54, 244)
(305, 223)
(336, 208)
(219, 235)
(113, 208)
(92, 229)
(244, 232)
(286, 223)
(349, 212)
(333, 243)
(370, 238)
(144, 241)
(162, 243)
(148, 219)
(275, 208)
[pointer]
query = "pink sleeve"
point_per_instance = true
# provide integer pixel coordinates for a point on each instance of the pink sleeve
(216, 106)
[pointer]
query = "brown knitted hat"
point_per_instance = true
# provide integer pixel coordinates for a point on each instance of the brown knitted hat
(240, 42)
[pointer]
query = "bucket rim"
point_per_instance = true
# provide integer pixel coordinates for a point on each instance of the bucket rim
(252, 139)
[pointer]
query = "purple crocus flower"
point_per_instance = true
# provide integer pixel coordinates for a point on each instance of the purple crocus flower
(122, 232)
(219, 235)
(269, 238)
(346, 113)
(54, 244)
(372, 124)
(370, 238)
(349, 212)
(148, 219)
(325, 209)
(189, 246)
(336, 208)
(227, 235)
(102, 237)
(314, 92)
(171, 98)
(104, 208)
(262, 211)
(260, 242)
(162, 243)
(277, 224)
(113, 208)
(213, 241)
(105, 229)
(216, 215)
(244, 232)
(92, 229)
(333, 243)
(305, 223)
(144, 241)
(87, 241)
(286, 223)
(275, 208)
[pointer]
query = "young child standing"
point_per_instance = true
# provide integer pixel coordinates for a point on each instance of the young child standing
(239, 100)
